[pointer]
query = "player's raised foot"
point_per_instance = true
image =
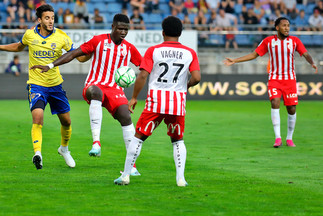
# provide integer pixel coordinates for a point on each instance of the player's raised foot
(134, 172)
(181, 183)
(67, 156)
(38, 160)
(122, 180)
(278, 143)
(96, 149)
(290, 143)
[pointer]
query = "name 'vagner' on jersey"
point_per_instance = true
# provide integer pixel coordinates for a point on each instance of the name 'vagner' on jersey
(172, 54)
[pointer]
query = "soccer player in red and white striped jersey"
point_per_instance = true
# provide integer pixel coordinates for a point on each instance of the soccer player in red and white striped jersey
(282, 79)
(108, 52)
(168, 66)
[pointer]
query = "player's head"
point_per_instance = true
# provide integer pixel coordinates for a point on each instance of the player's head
(120, 18)
(120, 28)
(282, 26)
(16, 59)
(43, 8)
(45, 16)
(172, 26)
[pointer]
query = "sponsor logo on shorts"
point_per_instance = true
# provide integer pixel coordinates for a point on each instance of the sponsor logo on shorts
(172, 128)
(120, 96)
(35, 95)
(294, 95)
(153, 126)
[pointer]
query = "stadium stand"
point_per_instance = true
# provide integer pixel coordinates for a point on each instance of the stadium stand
(153, 19)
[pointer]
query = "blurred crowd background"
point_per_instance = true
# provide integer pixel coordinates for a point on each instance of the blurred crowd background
(206, 16)
(225, 27)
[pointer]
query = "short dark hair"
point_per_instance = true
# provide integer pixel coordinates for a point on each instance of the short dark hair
(172, 26)
(43, 8)
(15, 57)
(277, 21)
(120, 18)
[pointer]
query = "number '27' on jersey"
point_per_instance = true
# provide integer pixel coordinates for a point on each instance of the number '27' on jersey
(169, 65)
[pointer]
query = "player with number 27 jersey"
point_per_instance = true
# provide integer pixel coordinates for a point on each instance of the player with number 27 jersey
(169, 65)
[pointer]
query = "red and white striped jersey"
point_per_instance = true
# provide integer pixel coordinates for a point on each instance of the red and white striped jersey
(107, 58)
(281, 56)
(169, 65)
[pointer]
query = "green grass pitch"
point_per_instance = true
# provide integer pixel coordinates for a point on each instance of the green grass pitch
(232, 168)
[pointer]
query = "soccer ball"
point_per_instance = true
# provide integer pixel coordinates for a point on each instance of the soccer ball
(125, 76)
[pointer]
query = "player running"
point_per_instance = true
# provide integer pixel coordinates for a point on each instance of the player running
(45, 44)
(110, 51)
(282, 78)
(168, 65)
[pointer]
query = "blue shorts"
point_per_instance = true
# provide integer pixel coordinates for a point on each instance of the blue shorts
(55, 96)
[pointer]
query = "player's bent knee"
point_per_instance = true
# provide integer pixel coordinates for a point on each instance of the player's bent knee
(94, 93)
(124, 120)
(122, 114)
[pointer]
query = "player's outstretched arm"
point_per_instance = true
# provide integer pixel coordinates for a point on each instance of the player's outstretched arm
(309, 59)
(67, 57)
(84, 58)
(195, 78)
(13, 47)
(250, 56)
(139, 84)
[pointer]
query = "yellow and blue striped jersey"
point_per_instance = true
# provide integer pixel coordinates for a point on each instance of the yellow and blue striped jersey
(44, 50)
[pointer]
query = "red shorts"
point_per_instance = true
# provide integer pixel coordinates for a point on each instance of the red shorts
(287, 88)
(112, 97)
(149, 121)
(229, 36)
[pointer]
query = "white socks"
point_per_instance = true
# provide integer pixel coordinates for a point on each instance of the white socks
(291, 120)
(64, 148)
(134, 149)
(133, 152)
(275, 118)
(95, 112)
(179, 152)
(128, 132)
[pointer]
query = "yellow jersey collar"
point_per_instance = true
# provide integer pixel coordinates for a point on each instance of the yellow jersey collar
(37, 31)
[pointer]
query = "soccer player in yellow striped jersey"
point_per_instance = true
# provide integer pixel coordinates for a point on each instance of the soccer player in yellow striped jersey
(45, 45)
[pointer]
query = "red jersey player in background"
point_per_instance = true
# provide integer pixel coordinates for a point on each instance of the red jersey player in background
(282, 78)
(168, 65)
(110, 51)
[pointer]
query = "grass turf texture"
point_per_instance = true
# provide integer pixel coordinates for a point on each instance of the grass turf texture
(232, 168)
